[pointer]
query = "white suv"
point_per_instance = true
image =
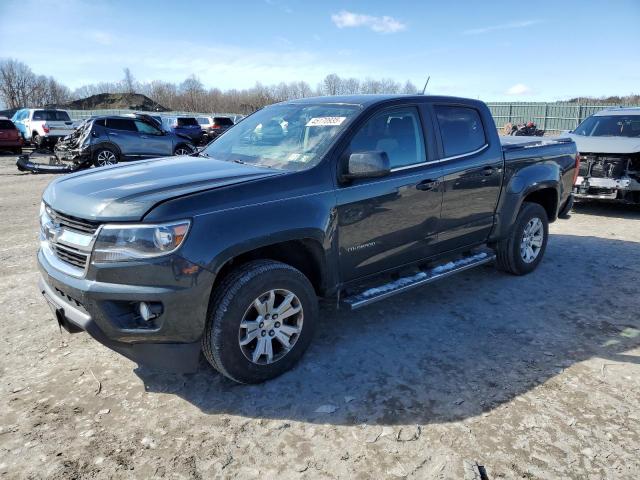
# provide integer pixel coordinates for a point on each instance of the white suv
(42, 126)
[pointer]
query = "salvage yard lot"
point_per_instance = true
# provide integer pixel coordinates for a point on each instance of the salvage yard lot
(532, 377)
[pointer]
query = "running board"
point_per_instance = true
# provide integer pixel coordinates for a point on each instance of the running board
(403, 284)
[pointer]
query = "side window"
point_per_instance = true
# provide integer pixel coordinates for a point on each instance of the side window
(461, 129)
(144, 127)
(121, 124)
(101, 122)
(397, 132)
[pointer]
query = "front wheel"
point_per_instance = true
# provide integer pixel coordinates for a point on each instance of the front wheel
(522, 251)
(262, 318)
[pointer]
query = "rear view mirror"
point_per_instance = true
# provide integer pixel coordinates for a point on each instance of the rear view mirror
(367, 165)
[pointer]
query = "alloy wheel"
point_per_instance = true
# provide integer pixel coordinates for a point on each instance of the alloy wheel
(532, 240)
(271, 326)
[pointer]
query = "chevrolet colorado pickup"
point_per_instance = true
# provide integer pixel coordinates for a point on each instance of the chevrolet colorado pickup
(355, 198)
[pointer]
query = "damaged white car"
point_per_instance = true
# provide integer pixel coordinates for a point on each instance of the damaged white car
(609, 146)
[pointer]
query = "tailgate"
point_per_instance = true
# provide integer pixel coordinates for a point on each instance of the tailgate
(57, 127)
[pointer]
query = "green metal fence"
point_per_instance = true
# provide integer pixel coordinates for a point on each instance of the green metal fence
(82, 114)
(551, 117)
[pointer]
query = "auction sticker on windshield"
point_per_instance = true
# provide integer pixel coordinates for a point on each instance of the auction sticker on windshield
(325, 121)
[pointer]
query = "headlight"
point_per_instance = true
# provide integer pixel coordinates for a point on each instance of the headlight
(44, 216)
(120, 243)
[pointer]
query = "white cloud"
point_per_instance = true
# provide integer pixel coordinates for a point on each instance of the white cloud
(384, 24)
(504, 26)
(518, 89)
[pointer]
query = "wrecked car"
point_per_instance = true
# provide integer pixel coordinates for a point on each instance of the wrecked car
(107, 140)
(609, 146)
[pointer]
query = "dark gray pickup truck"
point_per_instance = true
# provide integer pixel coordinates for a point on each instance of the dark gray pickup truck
(354, 198)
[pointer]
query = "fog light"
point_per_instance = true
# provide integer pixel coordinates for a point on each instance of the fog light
(149, 311)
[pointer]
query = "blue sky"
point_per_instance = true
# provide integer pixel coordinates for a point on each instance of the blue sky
(518, 50)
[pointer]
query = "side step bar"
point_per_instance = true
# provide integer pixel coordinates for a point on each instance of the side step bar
(403, 284)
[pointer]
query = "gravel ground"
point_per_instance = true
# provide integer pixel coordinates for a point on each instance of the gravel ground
(532, 377)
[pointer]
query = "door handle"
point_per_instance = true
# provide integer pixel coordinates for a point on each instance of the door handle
(143, 136)
(486, 171)
(427, 185)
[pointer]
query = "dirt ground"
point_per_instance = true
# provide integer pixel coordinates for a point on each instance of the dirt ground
(532, 377)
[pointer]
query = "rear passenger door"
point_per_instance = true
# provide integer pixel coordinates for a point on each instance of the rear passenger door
(472, 171)
(389, 221)
(123, 132)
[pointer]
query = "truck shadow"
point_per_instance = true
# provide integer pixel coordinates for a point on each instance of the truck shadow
(448, 351)
(604, 209)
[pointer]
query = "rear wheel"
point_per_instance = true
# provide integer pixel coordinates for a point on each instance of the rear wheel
(183, 150)
(261, 321)
(36, 140)
(104, 157)
(523, 250)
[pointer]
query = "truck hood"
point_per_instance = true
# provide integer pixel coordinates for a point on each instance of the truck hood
(127, 192)
(606, 144)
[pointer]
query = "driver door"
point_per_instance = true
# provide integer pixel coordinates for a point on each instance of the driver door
(389, 221)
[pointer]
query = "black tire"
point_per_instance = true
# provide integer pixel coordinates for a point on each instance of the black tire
(508, 251)
(183, 147)
(36, 140)
(231, 300)
(101, 155)
(17, 151)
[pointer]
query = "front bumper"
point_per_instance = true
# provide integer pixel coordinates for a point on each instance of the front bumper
(104, 304)
(605, 188)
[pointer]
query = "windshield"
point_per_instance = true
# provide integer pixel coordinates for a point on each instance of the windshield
(283, 136)
(51, 115)
(610, 126)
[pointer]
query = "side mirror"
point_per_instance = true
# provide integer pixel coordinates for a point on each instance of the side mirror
(367, 165)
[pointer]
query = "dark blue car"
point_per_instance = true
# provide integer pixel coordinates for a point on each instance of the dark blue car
(184, 125)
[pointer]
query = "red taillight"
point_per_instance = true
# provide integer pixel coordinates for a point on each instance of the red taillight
(577, 171)
(215, 126)
(45, 128)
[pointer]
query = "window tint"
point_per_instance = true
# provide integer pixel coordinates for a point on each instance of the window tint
(223, 121)
(461, 129)
(121, 124)
(51, 115)
(144, 127)
(101, 122)
(187, 122)
(7, 125)
(396, 132)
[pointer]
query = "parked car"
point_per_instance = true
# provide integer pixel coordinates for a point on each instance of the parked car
(213, 127)
(227, 252)
(42, 126)
(10, 138)
(609, 145)
(183, 125)
(107, 140)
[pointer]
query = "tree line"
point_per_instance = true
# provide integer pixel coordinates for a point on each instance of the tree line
(21, 87)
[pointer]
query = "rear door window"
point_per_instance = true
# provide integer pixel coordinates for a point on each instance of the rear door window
(121, 124)
(461, 129)
(397, 132)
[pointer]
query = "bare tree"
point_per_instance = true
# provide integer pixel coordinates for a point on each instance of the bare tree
(409, 88)
(331, 84)
(128, 81)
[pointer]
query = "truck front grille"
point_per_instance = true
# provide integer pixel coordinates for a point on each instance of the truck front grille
(72, 223)
(70, 255)
(74, 247)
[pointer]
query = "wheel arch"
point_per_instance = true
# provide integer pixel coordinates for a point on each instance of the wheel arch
(106, 144)
(305, 254)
